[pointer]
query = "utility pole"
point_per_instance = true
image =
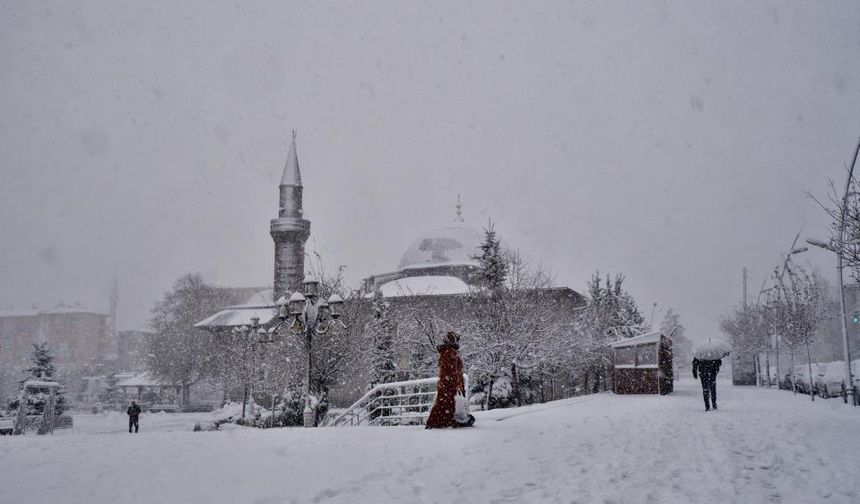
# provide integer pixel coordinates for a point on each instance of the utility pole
(745, 288)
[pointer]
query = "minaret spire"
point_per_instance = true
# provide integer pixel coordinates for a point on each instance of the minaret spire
(292, 175)
(290, 230)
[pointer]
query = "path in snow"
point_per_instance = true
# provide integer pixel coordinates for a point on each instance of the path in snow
(761, 446)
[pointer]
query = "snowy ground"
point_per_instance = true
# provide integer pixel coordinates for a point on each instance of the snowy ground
(761, 446)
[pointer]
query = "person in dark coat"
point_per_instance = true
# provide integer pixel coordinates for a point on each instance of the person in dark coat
(450, 384)
(707, 371)
(133, 416)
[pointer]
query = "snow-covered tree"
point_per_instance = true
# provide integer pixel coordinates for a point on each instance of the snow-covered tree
(337, 353)
(112, 397)
(512, 329)
(611, 315)
(383, 330)
(682, 347)
(494, 270)
(176, 351)
(837, 207)
(43, 369)
(800, 308)
(748, 328)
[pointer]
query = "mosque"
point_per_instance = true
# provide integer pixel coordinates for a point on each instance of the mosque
(434, 272)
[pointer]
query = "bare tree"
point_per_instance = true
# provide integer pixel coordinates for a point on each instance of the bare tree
(747, 328)
(799, 311)
(176, 351)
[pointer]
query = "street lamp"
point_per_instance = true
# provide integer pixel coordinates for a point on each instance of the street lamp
(846, 351)
(309, 315)
(838, 248)
(252, 336)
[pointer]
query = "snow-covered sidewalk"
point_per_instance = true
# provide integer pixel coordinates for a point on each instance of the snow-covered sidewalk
(761, 446)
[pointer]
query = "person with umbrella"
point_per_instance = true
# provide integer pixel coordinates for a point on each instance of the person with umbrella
(707, 359)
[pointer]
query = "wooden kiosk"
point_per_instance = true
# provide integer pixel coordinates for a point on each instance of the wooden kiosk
(642, 364)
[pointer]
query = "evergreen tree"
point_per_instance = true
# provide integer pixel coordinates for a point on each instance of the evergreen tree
(491, 261)
(42, 369)
(112, 397)
(612, 314)
(383, 330)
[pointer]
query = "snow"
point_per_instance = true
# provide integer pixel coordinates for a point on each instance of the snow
(259, 305)
(40, 384)
(761, 446)
(240, 315)
(713, 349)
(453, 244)
(140, 380)
(434, 285)
(831, 372)
(642, 339)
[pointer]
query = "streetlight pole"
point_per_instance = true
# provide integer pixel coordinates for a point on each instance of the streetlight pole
(251, 336)
(838, 249)
(310, 316)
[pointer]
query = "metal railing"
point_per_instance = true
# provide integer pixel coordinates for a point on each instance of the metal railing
(398, 403)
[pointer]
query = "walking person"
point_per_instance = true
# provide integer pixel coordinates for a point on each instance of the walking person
(133, 412)
(449, 386)
(707, 370)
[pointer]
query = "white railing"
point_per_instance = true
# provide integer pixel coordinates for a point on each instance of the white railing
(398, 403)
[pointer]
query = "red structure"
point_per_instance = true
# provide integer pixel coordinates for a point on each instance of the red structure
(642, 365)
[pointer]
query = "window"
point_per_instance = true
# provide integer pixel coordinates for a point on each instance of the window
(646, 354)
(625, 356)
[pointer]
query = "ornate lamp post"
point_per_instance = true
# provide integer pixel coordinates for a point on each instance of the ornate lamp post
(309, 316)
(252, 336)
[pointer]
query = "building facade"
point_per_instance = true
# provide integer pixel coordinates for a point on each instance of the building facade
(433, 277)
(79, 339)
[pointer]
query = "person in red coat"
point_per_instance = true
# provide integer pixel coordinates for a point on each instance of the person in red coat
(450, 383)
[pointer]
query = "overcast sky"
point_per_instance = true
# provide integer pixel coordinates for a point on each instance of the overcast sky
(670, 141)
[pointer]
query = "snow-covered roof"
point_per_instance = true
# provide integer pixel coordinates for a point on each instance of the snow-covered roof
(424, 285)
(239, 316)
(60, 309)
(642, 339)
(141, 380)
(454, 244)
(40, 384)
(259, 305)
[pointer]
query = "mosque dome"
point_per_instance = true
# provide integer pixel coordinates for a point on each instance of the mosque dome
(455, 244)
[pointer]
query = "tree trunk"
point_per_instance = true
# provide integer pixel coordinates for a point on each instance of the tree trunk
(186, 394)
(757, 369)
(767, 365)
(515, 386)
(489, 395)
(596, 385)
(244, 403)
(809, 364)
(585, 382)
(793, 380)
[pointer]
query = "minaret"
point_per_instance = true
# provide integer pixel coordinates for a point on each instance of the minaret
(290, 230)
